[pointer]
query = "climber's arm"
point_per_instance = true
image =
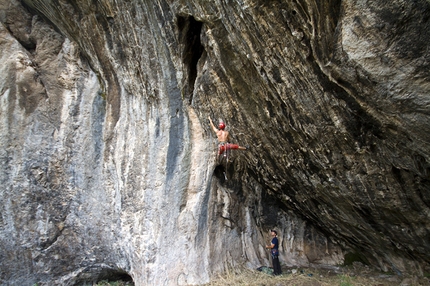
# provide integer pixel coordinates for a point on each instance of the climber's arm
(212, 125)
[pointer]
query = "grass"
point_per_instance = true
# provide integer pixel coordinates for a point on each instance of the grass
(312, 277)
(345, 280)
(342, 276)
(300, 278)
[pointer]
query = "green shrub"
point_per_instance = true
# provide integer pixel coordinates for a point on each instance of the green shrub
(345, 280)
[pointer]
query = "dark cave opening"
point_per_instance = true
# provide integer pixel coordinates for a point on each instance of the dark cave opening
(107, 275)
(352, 257)
(189, 37)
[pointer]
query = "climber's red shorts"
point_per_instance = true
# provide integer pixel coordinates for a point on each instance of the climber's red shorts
(226, 146)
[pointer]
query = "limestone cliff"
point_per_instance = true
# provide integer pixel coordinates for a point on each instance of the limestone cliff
(108, 161)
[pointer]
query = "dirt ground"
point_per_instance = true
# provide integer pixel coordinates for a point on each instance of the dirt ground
(354, 275)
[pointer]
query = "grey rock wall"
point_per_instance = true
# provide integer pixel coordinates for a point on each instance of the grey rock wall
(108, 162)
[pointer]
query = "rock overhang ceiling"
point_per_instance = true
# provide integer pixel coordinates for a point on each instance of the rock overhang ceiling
(332, 99)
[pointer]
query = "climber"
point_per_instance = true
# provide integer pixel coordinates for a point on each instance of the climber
(223, 139)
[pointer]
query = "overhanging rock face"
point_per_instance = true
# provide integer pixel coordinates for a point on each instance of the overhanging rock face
(108, 163)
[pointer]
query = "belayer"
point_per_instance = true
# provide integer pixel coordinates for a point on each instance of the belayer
(274, 251)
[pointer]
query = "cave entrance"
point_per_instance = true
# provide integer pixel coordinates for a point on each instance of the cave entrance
(106, 277)
(115, 277)
(189, 30)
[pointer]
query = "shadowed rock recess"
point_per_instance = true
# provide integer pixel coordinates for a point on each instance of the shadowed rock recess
(108, 164)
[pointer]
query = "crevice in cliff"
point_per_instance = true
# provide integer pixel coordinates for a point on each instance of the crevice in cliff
(99, 273)
(192, 49)
(220, 173)
(27, 44)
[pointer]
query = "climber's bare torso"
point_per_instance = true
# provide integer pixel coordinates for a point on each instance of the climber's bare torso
(222, 136)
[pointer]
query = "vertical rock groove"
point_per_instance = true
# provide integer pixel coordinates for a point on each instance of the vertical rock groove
(189, 35)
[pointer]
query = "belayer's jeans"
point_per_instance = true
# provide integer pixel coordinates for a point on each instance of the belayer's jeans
(276, 266)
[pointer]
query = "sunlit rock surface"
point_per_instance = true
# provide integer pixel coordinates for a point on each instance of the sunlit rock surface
(108, 162)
